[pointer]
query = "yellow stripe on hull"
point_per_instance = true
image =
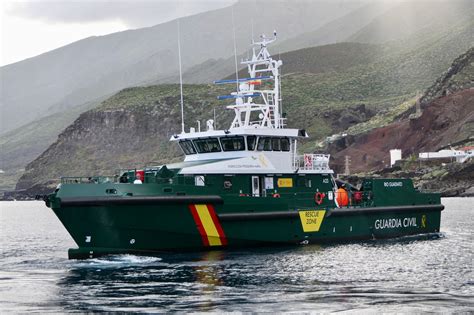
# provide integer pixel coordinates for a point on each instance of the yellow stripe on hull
(209, 226)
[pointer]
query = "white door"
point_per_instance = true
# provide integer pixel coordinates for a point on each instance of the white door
(255, 186)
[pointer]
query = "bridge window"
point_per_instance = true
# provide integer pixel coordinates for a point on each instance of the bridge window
(264, 144)
(285, 144)
(187, 147)
(233, 143)
(207, 145)
(276, 144)
(251, 140)
(273, 144)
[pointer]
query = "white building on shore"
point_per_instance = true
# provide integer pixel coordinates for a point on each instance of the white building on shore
(461, 155)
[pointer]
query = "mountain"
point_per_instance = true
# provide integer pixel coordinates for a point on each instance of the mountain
(326, 89)
(98, 66)
(130, 134)
(447, 117)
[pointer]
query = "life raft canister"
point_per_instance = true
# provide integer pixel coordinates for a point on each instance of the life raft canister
(342, 197)
(319, 197)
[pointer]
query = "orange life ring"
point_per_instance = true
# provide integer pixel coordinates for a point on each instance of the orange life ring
(319, 197)
(277, 195)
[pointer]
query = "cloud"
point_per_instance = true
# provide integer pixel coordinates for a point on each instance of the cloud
(134, 14)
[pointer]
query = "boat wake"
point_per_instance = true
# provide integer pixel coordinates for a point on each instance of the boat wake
(118, 261)
(411, 238)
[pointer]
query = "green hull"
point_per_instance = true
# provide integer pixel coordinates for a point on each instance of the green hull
(148, 223)
(244, 186)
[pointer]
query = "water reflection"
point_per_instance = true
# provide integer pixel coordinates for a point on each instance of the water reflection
(333, 276)
(130, 283)
(209, 275)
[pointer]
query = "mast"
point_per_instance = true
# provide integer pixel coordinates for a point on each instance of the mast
(254, 107)
(235, 51)
(180, 78)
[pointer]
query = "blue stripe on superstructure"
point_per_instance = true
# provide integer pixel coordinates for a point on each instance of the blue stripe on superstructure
(241, 80)
(225, 97)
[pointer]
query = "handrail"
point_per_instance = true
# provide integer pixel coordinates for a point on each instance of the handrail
(311, 162)
(88, 179)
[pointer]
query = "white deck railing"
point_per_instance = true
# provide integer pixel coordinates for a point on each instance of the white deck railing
(311, 162)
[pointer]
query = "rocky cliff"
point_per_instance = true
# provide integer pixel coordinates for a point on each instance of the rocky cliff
(447, 117)
(460, 76)
(446, 120)
(129, 130)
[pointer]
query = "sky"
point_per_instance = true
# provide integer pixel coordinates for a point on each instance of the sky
(31, 27)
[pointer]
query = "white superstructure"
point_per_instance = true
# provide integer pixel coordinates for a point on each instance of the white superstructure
(257, 140)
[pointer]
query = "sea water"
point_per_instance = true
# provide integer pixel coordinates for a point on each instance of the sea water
(413, 274)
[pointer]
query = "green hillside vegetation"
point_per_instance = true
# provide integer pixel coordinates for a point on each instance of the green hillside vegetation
(200, 103)
(382, 119)
(459, 76)
(396, 74)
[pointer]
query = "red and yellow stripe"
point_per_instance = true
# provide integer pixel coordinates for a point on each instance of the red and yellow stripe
(208, 225)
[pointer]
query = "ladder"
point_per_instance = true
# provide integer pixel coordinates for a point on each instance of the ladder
(271, 108)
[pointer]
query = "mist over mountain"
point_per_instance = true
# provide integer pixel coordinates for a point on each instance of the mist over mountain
(376, 22)
(97, 66)
(410, 17)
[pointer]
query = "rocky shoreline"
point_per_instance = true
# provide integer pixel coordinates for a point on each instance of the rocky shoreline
(449, 179)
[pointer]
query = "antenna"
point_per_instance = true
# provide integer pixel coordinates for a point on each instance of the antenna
(180, 78)
(252, 30)
(254, 10)
(235, 52)
(215, 122)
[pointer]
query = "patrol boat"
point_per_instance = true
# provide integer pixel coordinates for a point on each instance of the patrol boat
(239, 187)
